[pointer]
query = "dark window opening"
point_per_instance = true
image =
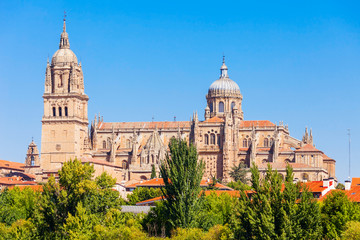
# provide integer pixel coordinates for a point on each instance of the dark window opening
(66, 111)
(54, 111)
(221, 107)
(60, 113)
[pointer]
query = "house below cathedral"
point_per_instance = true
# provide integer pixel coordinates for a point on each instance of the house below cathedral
(128, 150)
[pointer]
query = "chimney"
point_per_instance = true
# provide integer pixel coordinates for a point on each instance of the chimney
(347, 185)
(326, 182)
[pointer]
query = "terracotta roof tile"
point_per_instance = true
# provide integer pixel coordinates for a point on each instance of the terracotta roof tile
(325, 157)
(214, 120)
(11, 181)
(355, 182)
(256, 123)
(12, 165)
(139, 125)
(308, 148)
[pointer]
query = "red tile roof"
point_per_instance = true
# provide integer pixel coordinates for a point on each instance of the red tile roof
(214, 120)
(325, 157)
(355, 182)
(354, 193)
(308, 148)
(12, 181)
(139, 125)
(256, 123)
(12, 165)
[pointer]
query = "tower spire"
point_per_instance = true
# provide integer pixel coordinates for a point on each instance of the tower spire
(223, 69)
(64, 38)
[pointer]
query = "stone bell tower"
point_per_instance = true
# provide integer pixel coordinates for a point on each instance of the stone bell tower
(65, 119)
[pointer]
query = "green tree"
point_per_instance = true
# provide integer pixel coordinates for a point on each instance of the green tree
(337, 210)
(153, 172)
(276, 210)
(182, 172)
(352, 231)
(239, 172)
(340, 186)
(142, 194)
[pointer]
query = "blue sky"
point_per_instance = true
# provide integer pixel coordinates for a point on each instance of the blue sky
(294, 62)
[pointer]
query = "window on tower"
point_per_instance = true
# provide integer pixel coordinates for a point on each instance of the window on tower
(60, 113)
(54, 111)
(245, 145)
(212, 139)
(206, 139)
(266, 142)
(232, 105)
(221, 106)
(66, 111)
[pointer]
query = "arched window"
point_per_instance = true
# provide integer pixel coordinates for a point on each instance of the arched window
(221, 106)
(124, 164)
(245, 145)
(148, 159)
(218, 140)
(66, 111)
(206, 139)
(211, 107)
(143, 177)
(54, 111)
(32, 163)
(266, 142)
(60, 113)
(232, 105)
(212, 139)
(104, 144)
(128, 143)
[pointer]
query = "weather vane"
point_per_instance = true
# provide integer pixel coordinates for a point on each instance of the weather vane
(64, 15)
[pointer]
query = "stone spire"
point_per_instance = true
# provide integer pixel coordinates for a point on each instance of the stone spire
(224, 70)
(64, 39)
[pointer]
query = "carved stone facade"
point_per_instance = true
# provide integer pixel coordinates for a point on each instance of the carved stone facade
(127, 150)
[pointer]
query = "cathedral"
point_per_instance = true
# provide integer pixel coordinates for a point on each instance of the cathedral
(128, 150)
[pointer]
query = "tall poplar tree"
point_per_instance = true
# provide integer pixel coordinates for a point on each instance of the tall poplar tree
(182, 172)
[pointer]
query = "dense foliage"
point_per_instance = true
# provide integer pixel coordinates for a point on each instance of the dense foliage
(79, 206)
(182, 172)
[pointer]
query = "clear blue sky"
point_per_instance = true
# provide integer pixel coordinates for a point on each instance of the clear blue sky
(294, 62)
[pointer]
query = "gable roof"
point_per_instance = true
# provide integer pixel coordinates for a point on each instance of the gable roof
(214, 120)
(12, 165)
(355, 182)
(308, 148)
(256, 123)
(140, 125)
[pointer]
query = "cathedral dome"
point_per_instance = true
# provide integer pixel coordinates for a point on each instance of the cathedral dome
(64, 55)
(224, 84)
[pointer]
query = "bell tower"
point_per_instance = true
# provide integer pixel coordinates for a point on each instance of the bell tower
(65, 119)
